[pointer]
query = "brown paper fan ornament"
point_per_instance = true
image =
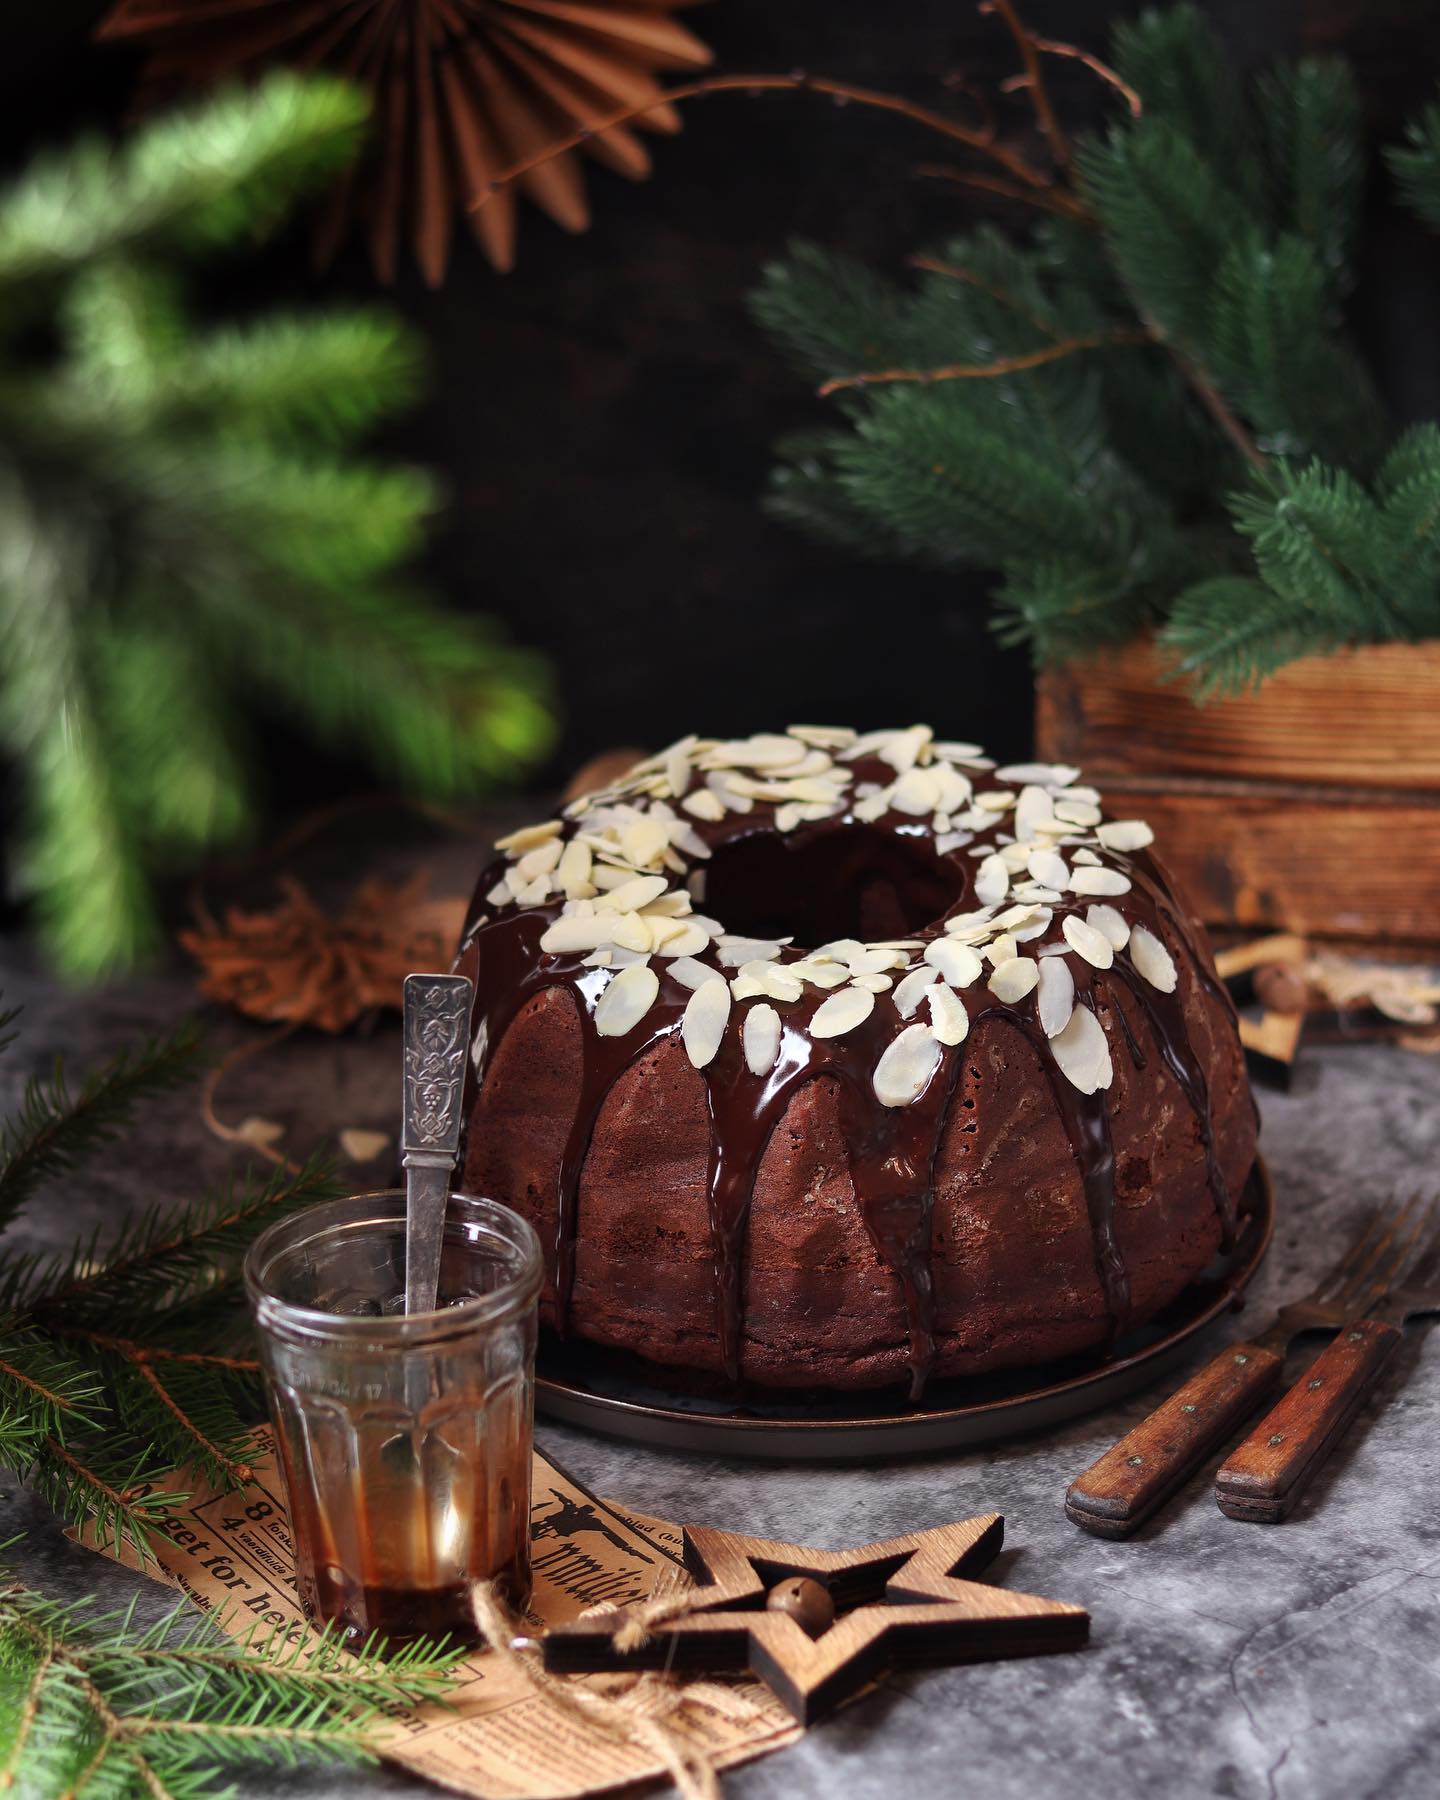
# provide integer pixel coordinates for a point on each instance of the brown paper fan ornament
(463, 91)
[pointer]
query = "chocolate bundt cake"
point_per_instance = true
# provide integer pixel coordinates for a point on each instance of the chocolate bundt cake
(830, 1060)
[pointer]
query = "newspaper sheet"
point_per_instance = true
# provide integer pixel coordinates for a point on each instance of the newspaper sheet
(496, 1737)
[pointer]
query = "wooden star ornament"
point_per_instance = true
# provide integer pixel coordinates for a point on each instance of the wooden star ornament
(816, 1625)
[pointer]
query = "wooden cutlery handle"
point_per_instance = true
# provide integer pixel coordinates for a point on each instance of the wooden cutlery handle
(1269, 1472)
(1119, 1492)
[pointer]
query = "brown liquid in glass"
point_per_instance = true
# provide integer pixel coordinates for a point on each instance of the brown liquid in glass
(396, 1516)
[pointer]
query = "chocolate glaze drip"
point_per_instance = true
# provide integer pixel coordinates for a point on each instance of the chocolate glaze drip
(1167, 1027)
(892, 1150)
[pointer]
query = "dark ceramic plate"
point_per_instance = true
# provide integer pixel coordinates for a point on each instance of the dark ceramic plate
(956, 1415)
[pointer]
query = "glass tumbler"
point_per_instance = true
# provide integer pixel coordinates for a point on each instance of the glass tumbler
(404, 1440)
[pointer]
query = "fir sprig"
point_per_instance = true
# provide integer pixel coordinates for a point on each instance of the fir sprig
(101, 1703)
(126, 1359)
(1147, 412)
(189, 536)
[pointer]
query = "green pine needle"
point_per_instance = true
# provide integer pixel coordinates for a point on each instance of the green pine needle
(56, 1126)
(100, 1703)
(1416, 166)
(189, 539)
(1215, 241)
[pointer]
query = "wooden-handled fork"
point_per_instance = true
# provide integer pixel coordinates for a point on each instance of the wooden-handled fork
(1264, 1478)
(1116, 1494)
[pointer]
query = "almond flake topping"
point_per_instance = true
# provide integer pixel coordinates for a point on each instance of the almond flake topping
(992, 881)
(1086, 880)
(1112, 923)
(904, 1070)
(911, 991)
(842, 1012)
(1083, 1053)
(1014, 979)
(1055, 995)
(1093, 945)
(626, 1001)
(1125, 834)
(702, 1025)
(692, 974)
(761, 1039)
(1153, 960)
(957, 963)
(948, 1018)
(529, 837)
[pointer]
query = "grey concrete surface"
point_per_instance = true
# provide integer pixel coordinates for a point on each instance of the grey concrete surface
(1299, 1662)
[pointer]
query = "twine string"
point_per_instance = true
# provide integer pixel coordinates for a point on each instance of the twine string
(639, 1713)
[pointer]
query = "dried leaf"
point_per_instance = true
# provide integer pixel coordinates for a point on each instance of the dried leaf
(296, 964)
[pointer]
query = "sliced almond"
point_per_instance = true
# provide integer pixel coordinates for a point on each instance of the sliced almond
(1077, 812)
(997, 800)
(948, 1018)
(958, 963)
(916, 793)
(529, 837)
(1098, 881)
(1093, 945)
(1035, 926)
(499, 895)
(1001, 949)
(1033, 805)
(631, 895)
(1125, 834)
(541, 860)
(568, 936)
(734, 952)
(904, 1071)
(702, 1025)
(874, 984)
(842, 1012)
(761, 1039)
(1054, 995)
(677, 770)
(1013, 980)
(1045, 774)
(992, 881)
(824, 737)
(1153, 960)
(692, 974)
(773, 979)
(704, 803)
(684, 941)
(911, 991)
(572, 872)
(626, 1000)
(1110, 922)
(820, 972)
(1049, 867)
(1083, 1053)
(628, 930)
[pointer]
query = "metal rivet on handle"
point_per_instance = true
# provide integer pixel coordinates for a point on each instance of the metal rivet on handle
(1135, 1461)
(1278, 1438)
(1189, 1406)
(1242, 1358)
(1318, 1382)
(1355, 1336)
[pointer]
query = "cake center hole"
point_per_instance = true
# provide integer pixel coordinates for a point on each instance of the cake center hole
(853, 881)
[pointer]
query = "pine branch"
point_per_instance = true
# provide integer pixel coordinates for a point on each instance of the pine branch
(55, 1128)
(103, 1704)
(1310, 121)
(221, 171)
(1416, 166)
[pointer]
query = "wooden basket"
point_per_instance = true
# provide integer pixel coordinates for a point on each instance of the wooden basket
(1312, 805)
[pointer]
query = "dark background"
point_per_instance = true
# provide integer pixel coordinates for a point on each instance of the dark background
(603, 416)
